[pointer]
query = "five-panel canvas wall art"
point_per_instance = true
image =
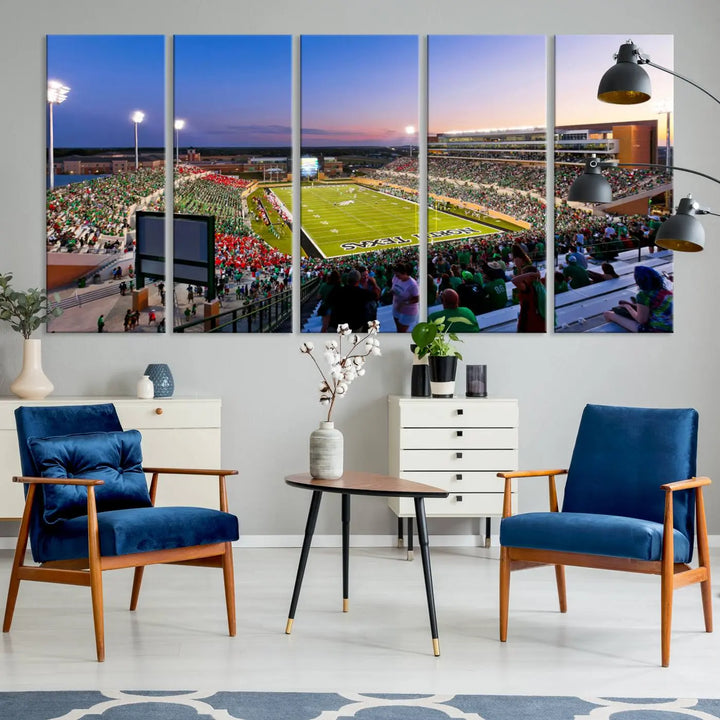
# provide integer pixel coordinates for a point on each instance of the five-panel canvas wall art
(467, 220)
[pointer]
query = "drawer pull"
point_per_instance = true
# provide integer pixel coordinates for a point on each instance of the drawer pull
(459, 433)
(458, 456)
(158, 411)
(460, 411)
(458, 498)
(458, 476)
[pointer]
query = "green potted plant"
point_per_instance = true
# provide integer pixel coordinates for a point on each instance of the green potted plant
(25, 312)
(433, 341)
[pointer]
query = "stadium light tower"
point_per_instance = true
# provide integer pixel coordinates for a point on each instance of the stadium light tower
(179, 125)
(137, 117)
(664, 107)
(56, 93)
(410, 130)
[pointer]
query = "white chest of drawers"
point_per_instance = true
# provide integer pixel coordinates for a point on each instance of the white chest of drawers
(176, 432)
(458, 444)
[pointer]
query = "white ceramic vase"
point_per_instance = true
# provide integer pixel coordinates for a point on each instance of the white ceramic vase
(32, 383)
(326, 452)
(145, 388)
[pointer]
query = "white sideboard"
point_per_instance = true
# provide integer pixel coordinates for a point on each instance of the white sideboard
(458, 444)
(176, 432)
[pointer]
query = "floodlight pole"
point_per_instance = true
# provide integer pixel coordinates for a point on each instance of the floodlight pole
(137, 117)
(52, 151)
(179, 125)
(56, 94)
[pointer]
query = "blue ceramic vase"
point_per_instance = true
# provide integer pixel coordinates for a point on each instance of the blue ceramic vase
(162, 379)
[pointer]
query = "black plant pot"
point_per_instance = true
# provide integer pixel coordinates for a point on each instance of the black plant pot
(442, 375)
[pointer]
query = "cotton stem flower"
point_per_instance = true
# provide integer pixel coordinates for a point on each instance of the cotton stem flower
(343, 366)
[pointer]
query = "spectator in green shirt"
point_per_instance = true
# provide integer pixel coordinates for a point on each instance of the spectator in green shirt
(456, 319)
(577, 276)
(495, 286)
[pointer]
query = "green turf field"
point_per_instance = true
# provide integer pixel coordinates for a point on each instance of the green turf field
(348, 219)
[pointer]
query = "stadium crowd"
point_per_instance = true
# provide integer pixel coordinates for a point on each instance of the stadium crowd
(80, 213)
(477, 270)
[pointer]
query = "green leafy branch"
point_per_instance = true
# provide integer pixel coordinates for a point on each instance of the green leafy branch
(24, 311)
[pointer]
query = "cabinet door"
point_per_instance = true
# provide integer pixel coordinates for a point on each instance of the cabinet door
(184, 448)
(12, 498)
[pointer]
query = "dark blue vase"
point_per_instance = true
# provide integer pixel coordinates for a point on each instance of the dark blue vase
(162, 379)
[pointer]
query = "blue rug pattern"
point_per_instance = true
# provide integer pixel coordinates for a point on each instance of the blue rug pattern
(187, 705)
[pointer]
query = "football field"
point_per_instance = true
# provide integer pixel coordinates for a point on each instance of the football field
(348, 219)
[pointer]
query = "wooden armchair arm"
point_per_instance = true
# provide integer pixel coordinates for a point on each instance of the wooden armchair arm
(57, 481)
(668, 547)
(695, 482)
(531, 473)
(189, 471)
(220, 474)
(509, 476)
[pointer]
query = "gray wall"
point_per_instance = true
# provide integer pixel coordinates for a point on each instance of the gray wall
(268, 389)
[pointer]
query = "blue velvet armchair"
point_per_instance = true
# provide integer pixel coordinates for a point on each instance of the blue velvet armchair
(88, 509)
(632, 502)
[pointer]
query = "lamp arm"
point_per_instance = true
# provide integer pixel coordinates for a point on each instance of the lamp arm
(664, 167)
(647, 61)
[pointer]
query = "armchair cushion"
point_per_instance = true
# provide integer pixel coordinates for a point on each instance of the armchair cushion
(114, 457)
(143, 529)
(591, 534)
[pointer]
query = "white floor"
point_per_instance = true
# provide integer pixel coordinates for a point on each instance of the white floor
(608, 644)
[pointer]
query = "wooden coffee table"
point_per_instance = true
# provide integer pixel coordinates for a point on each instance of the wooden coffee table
(363, 483)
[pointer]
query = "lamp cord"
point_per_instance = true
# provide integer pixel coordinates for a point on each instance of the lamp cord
(647, 61)
(664, 167)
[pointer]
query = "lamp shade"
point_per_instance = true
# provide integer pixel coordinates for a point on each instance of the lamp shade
(591, 186)
(625, 83)
(682, 232)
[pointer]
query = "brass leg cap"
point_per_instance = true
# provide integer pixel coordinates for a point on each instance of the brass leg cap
(346, 604)
(410, 555)
(436, 647)
(288, 627)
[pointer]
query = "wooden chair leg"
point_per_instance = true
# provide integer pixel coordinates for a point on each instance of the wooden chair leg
(229, 579)
(560, 580)
(137, 582)
(704, 558)
(96, 591)
(666, 602)
(11, 598)
(18, 560)
(96, 588)
(707, 603)
(504, 591)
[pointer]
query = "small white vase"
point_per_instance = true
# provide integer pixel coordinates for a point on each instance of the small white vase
(145, 388)
(326, 452)
(32, 383)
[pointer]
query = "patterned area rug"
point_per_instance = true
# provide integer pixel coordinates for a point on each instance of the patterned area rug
(186, 705)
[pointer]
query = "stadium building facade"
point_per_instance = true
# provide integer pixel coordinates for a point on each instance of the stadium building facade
(624, 142)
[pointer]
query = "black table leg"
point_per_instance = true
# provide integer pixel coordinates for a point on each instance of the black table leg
(346, 548)
(425, 554)
(400, 532)
(410, 534)
(309, 530)
(487, 532)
